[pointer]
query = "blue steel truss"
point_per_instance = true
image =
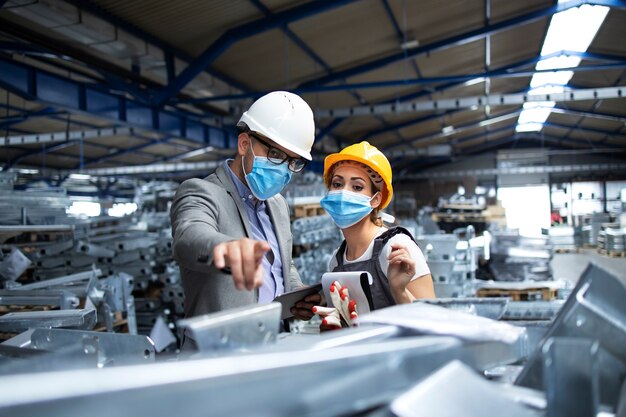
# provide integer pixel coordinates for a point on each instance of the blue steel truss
(460, 39)
(35, 84)
(233, 35)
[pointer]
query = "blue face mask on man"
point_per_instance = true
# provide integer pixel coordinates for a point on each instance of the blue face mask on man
(346, 208)
(267, 179)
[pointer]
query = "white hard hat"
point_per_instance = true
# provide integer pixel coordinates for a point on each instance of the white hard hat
(284, 118)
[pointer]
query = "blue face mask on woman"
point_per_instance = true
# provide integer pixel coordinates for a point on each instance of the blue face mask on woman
(346, 208)
(267, 179)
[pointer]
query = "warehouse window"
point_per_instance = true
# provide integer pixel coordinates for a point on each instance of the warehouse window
(84, 209)
(527, 208)
(122, 209)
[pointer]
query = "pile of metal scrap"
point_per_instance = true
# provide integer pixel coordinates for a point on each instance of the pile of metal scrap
(611, 239)
(563, 239)
(81, 301)
(518, 258)
(452, 262)
(407, 360)
(115, 246)
(314, 238)
(590, 226)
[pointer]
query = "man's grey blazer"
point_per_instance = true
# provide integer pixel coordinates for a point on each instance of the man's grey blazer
(209, 211)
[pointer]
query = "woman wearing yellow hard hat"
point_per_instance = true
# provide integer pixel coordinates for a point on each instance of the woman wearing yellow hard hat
(359, 185)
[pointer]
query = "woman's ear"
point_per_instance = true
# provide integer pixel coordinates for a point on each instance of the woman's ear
(377, 199)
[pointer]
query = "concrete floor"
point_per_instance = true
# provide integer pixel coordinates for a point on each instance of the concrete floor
(569, 266)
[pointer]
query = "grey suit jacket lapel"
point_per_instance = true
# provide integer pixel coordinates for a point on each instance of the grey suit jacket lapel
(224, 177)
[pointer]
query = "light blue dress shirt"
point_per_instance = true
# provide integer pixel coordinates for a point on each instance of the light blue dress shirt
(262, 229)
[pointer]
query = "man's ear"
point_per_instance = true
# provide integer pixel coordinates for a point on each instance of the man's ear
(243, 143)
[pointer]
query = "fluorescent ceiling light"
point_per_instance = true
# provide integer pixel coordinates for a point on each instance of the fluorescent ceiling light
(473, 81)
(410, 44)
(570, 30)
(80, 176)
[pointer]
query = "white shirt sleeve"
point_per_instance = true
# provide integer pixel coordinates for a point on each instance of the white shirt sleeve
(421, 268)
(332, 262)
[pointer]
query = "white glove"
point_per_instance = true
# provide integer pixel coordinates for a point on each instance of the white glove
(344, 312)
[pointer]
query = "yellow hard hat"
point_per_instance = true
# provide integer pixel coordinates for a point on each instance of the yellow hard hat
(368, 155)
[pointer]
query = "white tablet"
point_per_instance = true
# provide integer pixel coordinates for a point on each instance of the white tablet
(358, 284)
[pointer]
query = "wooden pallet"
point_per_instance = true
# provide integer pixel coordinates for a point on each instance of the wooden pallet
(612, 254)
(561, 250)
(307, 210)
(529, 294)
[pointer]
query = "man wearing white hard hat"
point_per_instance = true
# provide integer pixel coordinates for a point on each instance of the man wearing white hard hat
(231, 230)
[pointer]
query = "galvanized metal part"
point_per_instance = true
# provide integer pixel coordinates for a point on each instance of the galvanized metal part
(595, 310)
(57, 298)
(81, 276)
(492, 308)
(571, 377)
(236, 328)
(77, 319)
(113, 348)
(456, 390)
(94, 250)
(362, 377)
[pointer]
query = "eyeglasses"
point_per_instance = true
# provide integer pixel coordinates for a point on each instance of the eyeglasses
(276, 156)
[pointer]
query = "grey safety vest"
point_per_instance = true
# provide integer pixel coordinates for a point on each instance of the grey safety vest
(381, 293)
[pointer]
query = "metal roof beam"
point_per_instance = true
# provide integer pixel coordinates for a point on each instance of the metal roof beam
(99, 12)
(596, 115)
(40, 138)
(452, 80)
(38, 85)
(461, 39)
(585, 129)
(233, 35)
(150, 169)
(544, 169)
(468, 102)
(306, 49)
(460, 129)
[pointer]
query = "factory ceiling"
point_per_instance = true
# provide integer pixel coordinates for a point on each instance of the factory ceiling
(135, 87)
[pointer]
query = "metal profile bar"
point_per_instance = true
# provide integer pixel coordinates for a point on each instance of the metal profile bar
(468, 102)
(19, 322)
(114, 348)
(58, 298)
(81, 276)
(460, 39)
(235, 34)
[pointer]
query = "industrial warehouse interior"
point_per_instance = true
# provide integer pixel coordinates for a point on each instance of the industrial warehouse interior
(313, 208)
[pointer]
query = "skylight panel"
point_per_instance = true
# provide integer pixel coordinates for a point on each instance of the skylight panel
(571, 30)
